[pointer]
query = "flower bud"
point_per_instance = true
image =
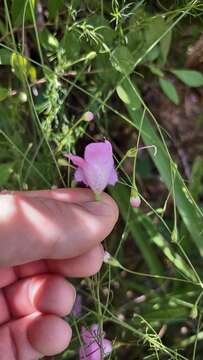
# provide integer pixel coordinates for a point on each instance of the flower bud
(88, 116)
(92, 55)
(135, 202)
(22, 97)
(110, 260)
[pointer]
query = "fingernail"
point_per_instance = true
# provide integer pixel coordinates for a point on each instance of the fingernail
(98, 208)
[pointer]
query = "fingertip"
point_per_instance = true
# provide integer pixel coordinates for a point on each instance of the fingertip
(106, 207)
(49, 335)
(91, 262)
(104, 217)
(52, 294)
(106, 198)
(87, 264)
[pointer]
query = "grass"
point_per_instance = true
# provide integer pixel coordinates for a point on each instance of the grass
(76, 56)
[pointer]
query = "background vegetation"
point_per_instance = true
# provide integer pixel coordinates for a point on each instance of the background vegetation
(137, 66)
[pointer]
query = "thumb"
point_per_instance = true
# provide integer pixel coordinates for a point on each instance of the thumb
(34, 227)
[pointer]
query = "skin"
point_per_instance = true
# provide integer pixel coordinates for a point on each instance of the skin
(46, 236)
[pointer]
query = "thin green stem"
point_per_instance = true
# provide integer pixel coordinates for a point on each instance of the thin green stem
(23, 156)
(196, 337)
(36, 32)
(42, 132)
(137, 146)
(23, 27)
(10, 24)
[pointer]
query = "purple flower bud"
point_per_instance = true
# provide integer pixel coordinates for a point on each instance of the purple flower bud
(88, 116)
(135, 202)
(77, 307)
(96, 170)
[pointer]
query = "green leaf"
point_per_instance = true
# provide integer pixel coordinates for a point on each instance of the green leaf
(106, 74)
(169, 90)
(153, 30)
(3, 29)
(196, 179)
(122, 94)
(71, 44)
(153, 54)
(5, 171)
(156, 71)
(48, 41)
(122, 60)
(128, 98)
(18, 8)
(5, 57)
(165, 44)
(54, 6)
(191, 78)
(4, 93)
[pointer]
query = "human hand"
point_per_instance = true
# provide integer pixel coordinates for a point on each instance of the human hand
(45, 236)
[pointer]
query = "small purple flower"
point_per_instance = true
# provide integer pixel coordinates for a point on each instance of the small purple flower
(135, 202)
(95, 347)
(77, 307)
(96, 170)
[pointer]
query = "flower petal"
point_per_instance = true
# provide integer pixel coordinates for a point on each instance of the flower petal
(97, 176)
(95, 330)
(98, 165)
(99, 153)
(86, 335)
(113, 177)
(107, 347)
(79, 176)
(96, 170)
(90, 352)
(96, 346)
(77, 160)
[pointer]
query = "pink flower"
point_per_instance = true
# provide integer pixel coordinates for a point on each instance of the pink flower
(95, 347)
(135, 202)
(96, 170)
